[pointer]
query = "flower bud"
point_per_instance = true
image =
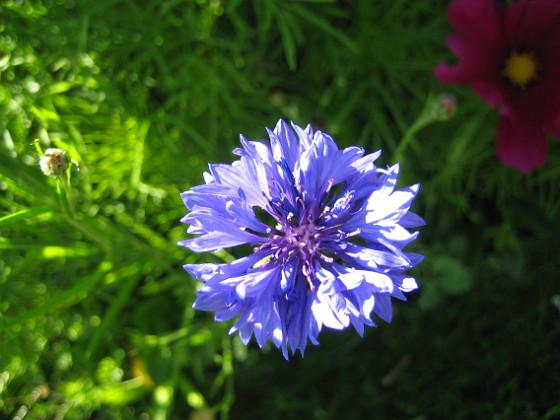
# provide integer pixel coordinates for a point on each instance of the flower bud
(445, 107)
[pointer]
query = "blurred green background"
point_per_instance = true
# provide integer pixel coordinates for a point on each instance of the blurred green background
(95, 308)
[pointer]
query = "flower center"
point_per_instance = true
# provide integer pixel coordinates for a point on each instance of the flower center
(297, 239)
(521, 68)
(306, 232)
(303, 240)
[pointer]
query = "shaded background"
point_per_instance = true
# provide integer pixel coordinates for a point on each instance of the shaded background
(95, 309)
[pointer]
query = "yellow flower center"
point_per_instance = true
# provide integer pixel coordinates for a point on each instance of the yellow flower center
(521, 68)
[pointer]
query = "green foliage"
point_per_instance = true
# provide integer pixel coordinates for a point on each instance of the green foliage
(95, 309)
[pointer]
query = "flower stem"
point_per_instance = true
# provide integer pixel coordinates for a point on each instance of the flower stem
(437, 108)
(68, 197)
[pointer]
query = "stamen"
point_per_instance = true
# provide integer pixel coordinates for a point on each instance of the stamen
(262, 247)
(300, 232)
(326, 209)
(331, 182)
(307, 273)
(291, 219)
(353, 233)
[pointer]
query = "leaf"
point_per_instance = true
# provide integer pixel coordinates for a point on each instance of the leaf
(24, 215)
(323, 24)
(59, 87)
(289, 44)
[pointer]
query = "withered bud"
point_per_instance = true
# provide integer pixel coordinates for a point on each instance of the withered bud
(54, 162)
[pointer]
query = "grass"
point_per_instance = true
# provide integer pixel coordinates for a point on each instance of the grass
(95, 309)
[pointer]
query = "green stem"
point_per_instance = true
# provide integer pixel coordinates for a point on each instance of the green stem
(424, 119)
(68, 197)
(435, 109)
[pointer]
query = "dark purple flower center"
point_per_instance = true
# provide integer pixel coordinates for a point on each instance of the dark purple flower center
(301, 240)
(308, 232)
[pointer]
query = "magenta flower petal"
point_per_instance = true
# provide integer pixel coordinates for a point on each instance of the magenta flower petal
(479, 21)
(521, 145)
(554, 128)
(529, 24)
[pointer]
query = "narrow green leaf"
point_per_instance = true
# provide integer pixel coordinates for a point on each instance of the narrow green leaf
(288, 43)
(323, 24)
(24, 214)
(59, 87)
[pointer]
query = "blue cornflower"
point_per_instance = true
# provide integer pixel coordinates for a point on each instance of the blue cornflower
(327, 228)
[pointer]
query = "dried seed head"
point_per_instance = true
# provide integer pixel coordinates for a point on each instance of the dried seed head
(54, 162)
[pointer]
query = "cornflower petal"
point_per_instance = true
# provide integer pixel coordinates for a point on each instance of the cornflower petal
(217, 272)
(383, 308)
(284, 144)
(376, 258)
(215, 241)
(381, 282)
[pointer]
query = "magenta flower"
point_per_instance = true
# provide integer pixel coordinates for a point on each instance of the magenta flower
(511, 57)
